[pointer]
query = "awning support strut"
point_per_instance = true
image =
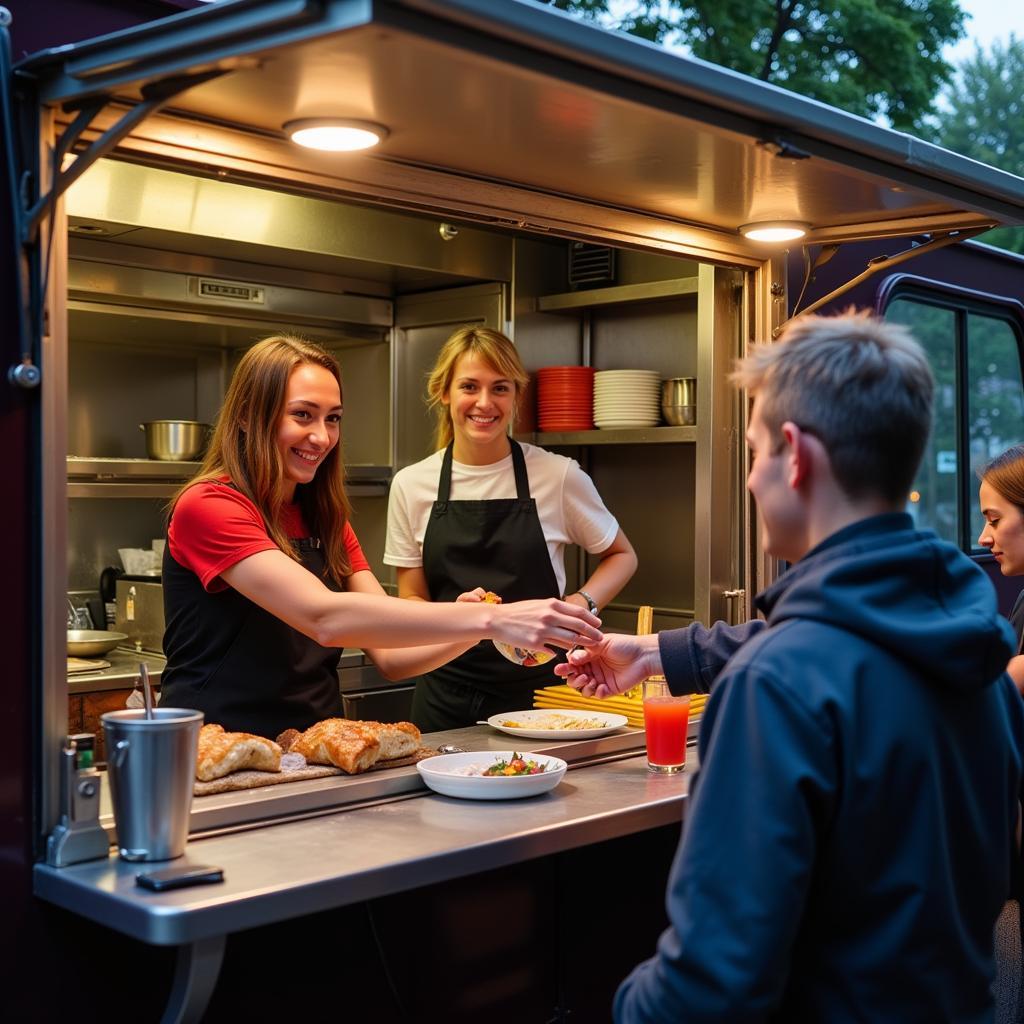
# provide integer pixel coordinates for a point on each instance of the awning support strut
(934, 242)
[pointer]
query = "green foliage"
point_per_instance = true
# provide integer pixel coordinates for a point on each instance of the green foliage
(876, 58)
(982, 116)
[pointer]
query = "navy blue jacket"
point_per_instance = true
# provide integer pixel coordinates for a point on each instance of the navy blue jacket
(848, 838)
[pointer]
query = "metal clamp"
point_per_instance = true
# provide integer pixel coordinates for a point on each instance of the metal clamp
(78, 836)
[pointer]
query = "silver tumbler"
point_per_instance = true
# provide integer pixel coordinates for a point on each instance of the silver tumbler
(151, 763)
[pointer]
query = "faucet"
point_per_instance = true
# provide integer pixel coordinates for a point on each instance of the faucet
(78, 618)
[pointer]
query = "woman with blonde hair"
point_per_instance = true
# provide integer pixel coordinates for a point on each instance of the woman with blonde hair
(485, 513)
(264, 579)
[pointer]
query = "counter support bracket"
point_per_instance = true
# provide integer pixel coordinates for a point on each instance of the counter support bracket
(195, 975)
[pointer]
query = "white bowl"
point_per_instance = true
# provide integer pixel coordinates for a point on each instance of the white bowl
(438, 774)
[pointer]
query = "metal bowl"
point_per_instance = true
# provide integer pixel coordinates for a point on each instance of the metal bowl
(91, 643)
(175, 440)
(679, 415)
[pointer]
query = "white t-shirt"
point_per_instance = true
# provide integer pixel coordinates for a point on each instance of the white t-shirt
(568, 505)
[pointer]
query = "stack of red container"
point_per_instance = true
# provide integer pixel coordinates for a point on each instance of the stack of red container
(565, 398)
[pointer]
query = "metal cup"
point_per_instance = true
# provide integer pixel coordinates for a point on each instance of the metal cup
(151, 767)
(679, 401)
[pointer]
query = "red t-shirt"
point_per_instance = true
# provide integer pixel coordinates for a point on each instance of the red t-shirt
(214, 527)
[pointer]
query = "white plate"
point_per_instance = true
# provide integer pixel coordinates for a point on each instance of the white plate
(437, 773)
(612, 722)
(627, 375)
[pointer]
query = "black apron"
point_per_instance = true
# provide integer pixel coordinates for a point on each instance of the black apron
(242, 667)
(498, 545)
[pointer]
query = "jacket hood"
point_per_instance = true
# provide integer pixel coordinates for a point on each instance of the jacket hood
(906, 591)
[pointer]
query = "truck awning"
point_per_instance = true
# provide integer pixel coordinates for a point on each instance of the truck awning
(518, 100)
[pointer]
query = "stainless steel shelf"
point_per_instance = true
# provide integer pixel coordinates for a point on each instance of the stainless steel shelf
(641, 435)
(648, 291)
(90, 477)
(127, 470)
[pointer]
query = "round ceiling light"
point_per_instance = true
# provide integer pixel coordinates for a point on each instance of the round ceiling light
(775, 230)
(335, 135)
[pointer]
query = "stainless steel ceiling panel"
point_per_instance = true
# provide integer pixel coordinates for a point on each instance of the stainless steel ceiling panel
(512, 92)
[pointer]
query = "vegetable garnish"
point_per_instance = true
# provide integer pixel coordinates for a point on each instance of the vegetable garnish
(516, 765)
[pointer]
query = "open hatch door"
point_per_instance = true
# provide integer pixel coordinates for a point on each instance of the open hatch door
(506, 113)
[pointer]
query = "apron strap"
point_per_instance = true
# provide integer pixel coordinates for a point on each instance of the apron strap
(519, 465)
(444, 483)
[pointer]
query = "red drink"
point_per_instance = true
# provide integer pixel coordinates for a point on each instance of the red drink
(665, 720)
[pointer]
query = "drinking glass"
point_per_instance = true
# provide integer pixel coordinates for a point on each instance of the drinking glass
(665, 721)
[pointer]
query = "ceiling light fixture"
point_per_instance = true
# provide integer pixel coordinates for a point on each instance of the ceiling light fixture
(775, 230)
(335, 134)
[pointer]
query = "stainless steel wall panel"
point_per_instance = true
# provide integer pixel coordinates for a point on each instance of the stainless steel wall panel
(113, 390)
(422, 325)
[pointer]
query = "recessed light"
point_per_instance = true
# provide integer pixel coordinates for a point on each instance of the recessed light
(775, 230)
(335, 135)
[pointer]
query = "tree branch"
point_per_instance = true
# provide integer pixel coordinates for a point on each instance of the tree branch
(783, 14)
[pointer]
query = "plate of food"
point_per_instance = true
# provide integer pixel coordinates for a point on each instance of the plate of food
(492, 774)
(557, 725)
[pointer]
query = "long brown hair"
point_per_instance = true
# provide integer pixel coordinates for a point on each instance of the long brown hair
(494, 348)
(244, 448)
(1005, 474)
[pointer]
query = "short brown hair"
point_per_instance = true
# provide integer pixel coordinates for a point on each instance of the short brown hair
(1005, 474)
(494, 348)
(861, 385)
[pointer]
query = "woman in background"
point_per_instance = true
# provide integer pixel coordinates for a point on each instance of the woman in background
(1001, 497)
(264, 580)
(1002, 504)
(485, 513)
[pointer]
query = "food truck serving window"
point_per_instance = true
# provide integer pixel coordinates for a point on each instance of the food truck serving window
(974, 343)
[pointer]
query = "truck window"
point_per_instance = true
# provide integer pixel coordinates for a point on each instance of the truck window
(975, 353)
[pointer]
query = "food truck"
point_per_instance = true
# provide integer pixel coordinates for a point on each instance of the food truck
(606, 203)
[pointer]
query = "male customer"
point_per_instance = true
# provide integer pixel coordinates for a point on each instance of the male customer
(848, 839)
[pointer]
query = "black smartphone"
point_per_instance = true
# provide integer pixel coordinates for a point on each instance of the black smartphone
(178, 878)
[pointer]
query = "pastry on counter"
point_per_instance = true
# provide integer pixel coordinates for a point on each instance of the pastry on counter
(339, 742)
(397, 739)
(221, 753)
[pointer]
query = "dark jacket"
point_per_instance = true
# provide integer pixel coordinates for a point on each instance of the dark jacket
(848, 839)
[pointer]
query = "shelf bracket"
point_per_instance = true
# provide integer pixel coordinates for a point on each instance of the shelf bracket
(155, 95)
(936, 241)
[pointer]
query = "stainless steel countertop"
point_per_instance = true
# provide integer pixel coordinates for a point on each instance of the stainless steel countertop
(123, 671)
(281, 871)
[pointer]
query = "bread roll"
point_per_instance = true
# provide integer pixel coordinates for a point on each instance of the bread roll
(339, 742)
(221, 753)
(397, 739)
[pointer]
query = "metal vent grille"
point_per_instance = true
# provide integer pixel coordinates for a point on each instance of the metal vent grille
(590, 265)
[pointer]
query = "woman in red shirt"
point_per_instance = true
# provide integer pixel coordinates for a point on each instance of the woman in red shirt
(264, 580)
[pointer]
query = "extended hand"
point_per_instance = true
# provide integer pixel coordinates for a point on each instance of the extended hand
(533, 624)
(612, 666)
(473, 596)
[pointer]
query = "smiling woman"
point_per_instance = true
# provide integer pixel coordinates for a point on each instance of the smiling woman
(265, 582)
(486, 514)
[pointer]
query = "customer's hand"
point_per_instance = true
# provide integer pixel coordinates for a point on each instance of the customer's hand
(612, 666)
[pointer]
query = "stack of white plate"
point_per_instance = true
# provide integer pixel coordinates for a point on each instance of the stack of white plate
(627, 398)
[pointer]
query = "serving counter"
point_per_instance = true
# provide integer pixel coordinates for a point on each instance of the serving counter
(333, 856)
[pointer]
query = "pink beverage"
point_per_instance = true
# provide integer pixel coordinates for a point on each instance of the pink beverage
(665, 721)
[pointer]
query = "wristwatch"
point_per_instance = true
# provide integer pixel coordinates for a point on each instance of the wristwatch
(591, 603)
